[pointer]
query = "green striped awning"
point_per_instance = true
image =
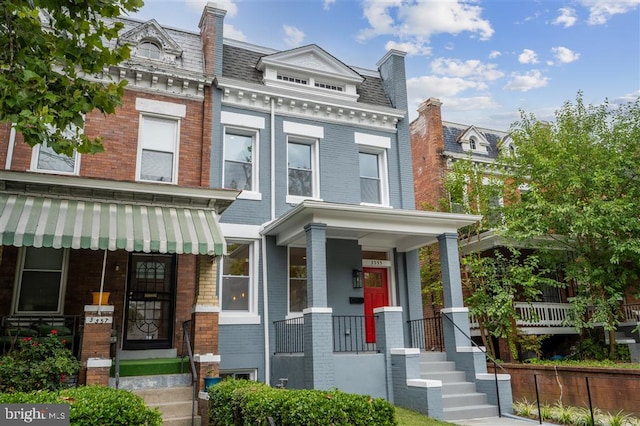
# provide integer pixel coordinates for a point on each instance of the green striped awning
(62, 223)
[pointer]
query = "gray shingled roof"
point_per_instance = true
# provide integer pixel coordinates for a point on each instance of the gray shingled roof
(190, 43)
(240, 63)
(452, 132)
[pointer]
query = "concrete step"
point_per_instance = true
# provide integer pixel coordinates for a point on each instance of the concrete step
(445, 376)
(182, 421)
(452, 388)
(152, 382)
(430, 366)
(174, 402)
(433, 356)
(174, 409)
(157, 395)
(469, 412)
(463, 399)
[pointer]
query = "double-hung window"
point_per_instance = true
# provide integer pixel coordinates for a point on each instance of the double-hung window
(297, 279)
(45, 159)
(236, 278)
(372, 156)
(158, 140)
(239, 149)
(303, 165)
(40, 281)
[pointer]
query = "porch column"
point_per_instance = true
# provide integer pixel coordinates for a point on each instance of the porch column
(318, 325)
(455, 321)
(95, 353)
(389, 326)
(204, 320)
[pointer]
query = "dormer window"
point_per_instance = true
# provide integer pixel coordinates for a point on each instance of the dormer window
(473, 144)
(328, 86)
(292, 79)
(148, 49)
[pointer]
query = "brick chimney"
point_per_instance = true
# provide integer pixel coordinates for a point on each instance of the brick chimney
(211, 23)
(427, 146)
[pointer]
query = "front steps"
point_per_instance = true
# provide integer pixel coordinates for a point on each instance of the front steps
(171, 393)
(459, 397)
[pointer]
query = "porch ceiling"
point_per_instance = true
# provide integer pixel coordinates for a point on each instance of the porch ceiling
(381, 227)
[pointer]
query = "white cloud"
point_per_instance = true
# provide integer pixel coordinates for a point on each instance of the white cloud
(430, 85)
(601, 10)
(422, 19)
(494, 54)
(412, 49)
(567, 17)
(231, 32)
(473, 103)
(565, 55)
(292, 36)
(528, 56)
(525, 82)
(228, 5)
(327, 4)
(473, 69)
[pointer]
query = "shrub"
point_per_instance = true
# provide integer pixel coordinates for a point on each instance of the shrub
(37, 363)
(240, 402)
(93, 405)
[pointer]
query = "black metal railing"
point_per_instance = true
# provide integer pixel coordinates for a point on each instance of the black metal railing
(289, 335)
(354, 333)
(186, 341)
(426, 333)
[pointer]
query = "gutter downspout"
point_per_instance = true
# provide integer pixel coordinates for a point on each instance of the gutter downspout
(265, 292)
(12, 141)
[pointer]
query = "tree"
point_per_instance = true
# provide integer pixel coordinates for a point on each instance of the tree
(50, 51)
(580, 183)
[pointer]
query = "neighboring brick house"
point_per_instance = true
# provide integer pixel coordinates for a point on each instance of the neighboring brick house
(436, 145)
(138, 221)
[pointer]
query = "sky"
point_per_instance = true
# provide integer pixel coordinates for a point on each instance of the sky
(486, 60)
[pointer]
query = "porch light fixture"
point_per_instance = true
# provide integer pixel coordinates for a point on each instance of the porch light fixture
(357, 278)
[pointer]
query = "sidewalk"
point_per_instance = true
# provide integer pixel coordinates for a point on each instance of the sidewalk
(505, 420)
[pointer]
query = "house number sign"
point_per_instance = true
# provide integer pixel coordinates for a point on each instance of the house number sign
(99, 320)
(376, 263)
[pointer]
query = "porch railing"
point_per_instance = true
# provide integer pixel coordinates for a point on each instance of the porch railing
(426, 333)
(14, 327)
(289, 335)
(350, 333)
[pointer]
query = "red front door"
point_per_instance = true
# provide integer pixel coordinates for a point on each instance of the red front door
(376, 294)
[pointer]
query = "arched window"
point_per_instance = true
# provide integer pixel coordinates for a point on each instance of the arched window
(473, 143)
(150, 50)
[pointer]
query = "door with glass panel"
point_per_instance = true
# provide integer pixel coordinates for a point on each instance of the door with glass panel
(376, 294)
(149, 313)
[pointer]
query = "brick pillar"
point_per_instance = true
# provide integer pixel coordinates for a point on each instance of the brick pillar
(204, 328)
(389, 335)
(316, 265)
(319, 368)
(96, 344)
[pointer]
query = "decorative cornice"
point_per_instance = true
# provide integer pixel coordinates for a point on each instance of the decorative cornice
(306, 105)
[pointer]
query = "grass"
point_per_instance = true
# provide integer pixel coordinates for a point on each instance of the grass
(146, 367)
(411, 418)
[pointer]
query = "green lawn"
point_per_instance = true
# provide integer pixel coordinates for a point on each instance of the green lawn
(411, 418)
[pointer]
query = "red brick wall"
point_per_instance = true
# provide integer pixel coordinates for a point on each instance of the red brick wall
(611, 389)
(427, 144)
(120, 138)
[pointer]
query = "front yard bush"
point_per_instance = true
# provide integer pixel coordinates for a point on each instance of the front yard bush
(93, 405)
(242, 402)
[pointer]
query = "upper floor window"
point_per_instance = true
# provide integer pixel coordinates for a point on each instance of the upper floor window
(300, 164)
(158, 145)
(473, 144)
(297, 279)
(148, 49)
(45, 159)
(292, 79)
(41, 279)
(239, 164)
(374, 188)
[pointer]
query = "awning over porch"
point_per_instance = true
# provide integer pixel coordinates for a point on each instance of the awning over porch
(83, 213)
(62, 223)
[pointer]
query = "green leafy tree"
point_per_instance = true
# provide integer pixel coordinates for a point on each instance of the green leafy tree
(51, 49)
(581, 180)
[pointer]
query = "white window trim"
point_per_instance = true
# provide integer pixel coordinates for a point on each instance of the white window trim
(243, 317)
(176, 151)
(18, 283)
(315, 169)
(251, 371)
(382, 170)
(389, 265)
(35, 153)
(255, 193)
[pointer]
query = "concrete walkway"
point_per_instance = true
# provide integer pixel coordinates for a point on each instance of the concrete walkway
(500, 421)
